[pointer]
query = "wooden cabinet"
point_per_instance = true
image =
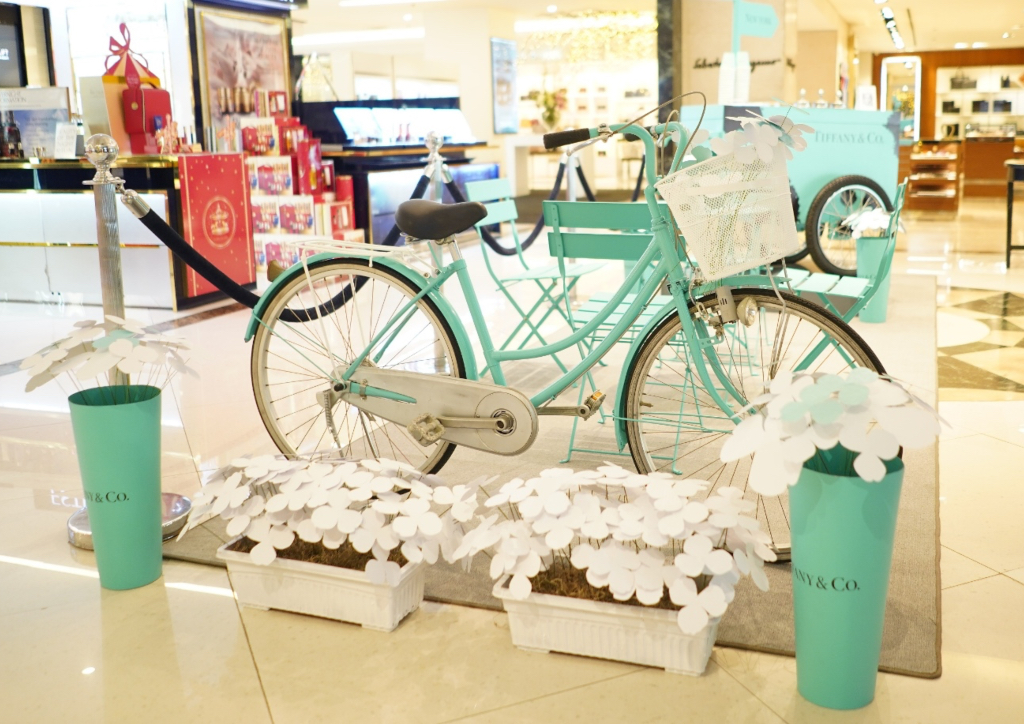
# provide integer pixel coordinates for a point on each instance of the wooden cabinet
(984, 165)
(934, 179)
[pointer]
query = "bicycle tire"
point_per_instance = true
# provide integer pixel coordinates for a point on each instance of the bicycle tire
(839, 254)
(273, 409)
(693, 443)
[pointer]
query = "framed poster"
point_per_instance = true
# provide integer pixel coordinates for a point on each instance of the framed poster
(36, 113)
(240, 57)
(503, 74)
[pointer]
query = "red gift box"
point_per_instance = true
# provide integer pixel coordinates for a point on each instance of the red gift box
(217, 217)
(306, 165)
(142, 106)
(344, 189)
(144, 144)
(296, 214)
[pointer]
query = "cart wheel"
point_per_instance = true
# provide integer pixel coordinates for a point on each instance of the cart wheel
(829, 239)
(794, 258)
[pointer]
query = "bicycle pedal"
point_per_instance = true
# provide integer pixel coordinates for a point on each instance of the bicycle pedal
(592, 404)
(426, 429)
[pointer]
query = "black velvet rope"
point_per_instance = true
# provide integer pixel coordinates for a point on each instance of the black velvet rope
(205, 268)
(639, 179)
(421, 188)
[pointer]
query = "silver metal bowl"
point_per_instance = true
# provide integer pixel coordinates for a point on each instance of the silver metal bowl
(175, 512)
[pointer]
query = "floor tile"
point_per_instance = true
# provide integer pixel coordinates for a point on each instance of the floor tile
(446, 662)
(957, 569)
(982, 503)
(971, 689)
(175, 654)
(956, 329)
(1001, 420)
(983, 618)
(645, 696)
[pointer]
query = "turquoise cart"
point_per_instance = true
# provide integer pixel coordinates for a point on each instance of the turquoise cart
(851, 163)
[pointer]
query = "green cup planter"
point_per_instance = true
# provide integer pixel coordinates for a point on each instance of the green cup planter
(843, 530)
(117, 436)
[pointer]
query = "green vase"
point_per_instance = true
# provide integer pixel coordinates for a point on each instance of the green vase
(117, 435)
(843, 530)
(869, 258)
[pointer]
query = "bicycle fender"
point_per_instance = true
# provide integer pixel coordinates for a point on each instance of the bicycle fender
(634, 349)
(416, 280)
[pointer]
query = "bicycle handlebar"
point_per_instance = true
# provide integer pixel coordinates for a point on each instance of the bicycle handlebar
(564, 138)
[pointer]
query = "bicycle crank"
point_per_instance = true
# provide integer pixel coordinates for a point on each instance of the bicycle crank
(482, 416)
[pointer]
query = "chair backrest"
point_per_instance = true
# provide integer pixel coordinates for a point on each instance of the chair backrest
(891, 231)
(611, 230)
(496, 195)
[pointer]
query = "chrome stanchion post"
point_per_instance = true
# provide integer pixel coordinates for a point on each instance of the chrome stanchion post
(101, 150)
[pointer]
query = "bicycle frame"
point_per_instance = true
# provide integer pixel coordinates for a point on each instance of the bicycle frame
(670, 265)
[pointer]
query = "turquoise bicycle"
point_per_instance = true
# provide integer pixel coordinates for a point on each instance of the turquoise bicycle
(382, 366)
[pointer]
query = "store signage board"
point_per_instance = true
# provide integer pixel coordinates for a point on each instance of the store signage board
(756, 20)
(503, 75)
(37, 111)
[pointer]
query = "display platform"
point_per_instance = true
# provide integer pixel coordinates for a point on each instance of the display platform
(756, 620)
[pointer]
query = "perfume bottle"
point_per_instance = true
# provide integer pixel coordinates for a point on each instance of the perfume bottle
(840, 102)
(12, 137)
(802, 103)
(821, 102)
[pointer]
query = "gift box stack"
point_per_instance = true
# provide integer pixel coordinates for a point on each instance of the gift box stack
(293, 191)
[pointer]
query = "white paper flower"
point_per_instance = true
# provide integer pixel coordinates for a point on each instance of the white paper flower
(804, 414)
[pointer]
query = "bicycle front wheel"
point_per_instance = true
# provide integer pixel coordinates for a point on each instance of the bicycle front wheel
(293, 361)
(674, 423)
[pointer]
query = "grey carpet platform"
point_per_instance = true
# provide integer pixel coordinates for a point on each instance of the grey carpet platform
(756, 620)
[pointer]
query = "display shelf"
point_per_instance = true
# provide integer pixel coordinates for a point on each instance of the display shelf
(934, 176)
(965, 121)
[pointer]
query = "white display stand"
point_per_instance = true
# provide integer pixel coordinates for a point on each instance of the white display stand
(517, 161)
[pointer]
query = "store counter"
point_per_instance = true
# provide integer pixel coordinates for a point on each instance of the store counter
(385, 176)
(48, 238)
(984, 164)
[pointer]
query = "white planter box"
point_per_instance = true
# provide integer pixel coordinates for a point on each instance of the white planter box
(341, 594)
(633, 634)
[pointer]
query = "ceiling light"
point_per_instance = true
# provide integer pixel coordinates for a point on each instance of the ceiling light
(959, 46)
(552, 8)
(1005, 36)
(881, 2)
(357, 36)
(887, 13)
(407, 17)
(900, 45)
(88, 670)
(979, 45)
(856, 61)
(363, 3)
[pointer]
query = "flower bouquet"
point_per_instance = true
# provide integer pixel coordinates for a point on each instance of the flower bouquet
(117, 436)
(836, 440)
(580, 556)
(332, 537)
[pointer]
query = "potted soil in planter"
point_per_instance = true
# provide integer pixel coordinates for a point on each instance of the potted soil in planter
(334, 538)
(583, 562)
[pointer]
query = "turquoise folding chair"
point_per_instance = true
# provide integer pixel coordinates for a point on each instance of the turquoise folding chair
(554, 282)
(608, 231)
(824, 288)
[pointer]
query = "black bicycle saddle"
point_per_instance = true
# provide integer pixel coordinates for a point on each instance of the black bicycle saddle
(422, 219)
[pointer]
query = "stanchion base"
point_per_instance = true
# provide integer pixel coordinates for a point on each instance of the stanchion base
(175, 513)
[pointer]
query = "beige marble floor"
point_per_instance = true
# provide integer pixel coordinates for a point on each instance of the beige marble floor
(182, 650)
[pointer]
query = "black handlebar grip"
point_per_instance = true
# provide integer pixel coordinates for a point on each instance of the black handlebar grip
(563, 138)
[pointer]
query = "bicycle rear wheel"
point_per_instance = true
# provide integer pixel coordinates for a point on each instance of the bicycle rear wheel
(673, 423)
(294, 361)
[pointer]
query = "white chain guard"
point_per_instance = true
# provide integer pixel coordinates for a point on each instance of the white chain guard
(443, 396)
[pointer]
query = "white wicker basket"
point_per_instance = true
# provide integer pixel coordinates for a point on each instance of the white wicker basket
(734, 216)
